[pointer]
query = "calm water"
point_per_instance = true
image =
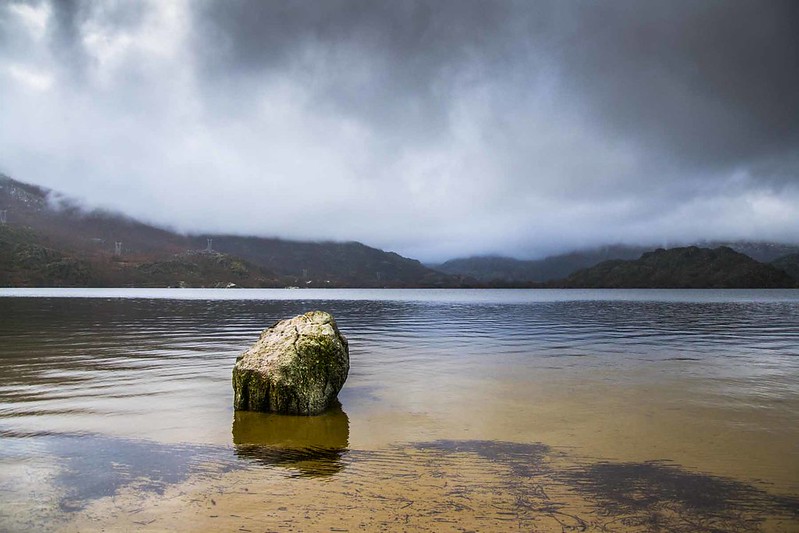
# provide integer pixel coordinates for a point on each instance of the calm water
(464, 410)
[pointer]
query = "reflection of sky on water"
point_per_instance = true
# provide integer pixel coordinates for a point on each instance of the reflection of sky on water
(62, 473)
(540, 481)
(73, 469)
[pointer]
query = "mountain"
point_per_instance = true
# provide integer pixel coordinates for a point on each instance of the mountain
(490, 268)
(27, 259)
(788, 264)
(495, 269)
(330, 263)
(688, 267)
(48, 240)
(765, 252)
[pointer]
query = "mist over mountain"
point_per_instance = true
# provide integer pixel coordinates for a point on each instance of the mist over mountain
(48, 241)
(437, 129)
(509, 270)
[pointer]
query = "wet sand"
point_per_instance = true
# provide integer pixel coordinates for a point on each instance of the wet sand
(448, 486)
(308, 474)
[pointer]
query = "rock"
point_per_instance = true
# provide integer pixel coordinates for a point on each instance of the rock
(297, 366)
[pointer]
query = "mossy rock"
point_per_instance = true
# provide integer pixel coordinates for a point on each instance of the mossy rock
(297, 367)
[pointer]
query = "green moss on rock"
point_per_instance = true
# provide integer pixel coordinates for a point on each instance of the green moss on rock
(297, 366)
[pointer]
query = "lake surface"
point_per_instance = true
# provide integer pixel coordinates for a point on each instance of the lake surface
(487, 410)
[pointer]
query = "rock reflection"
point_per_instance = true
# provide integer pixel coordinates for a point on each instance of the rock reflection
(309, 445)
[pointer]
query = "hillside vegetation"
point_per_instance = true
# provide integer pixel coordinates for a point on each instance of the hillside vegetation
(689, 267)
(48, 241)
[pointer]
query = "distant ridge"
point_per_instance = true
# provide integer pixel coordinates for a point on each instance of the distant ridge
(689, 267)
(765, 252)
(497, 269)
(50, 241)
(788, 264)
(342, 263)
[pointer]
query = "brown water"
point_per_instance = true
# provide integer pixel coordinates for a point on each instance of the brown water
(464, 410)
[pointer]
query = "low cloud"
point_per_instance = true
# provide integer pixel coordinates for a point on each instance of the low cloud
(434, 129)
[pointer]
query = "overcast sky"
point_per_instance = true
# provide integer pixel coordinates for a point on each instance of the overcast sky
(435, 129)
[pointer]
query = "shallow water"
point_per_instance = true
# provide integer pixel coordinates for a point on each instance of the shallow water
(483, 410)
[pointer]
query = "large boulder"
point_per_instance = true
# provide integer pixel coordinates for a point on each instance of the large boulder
(297, 366)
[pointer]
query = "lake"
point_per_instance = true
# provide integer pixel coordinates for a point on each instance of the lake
(464, 410)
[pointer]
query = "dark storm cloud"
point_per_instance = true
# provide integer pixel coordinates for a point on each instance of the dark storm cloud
(70, 19)
(433, 128)
(65, 35)
(394, 63)
(714, 82)
(711, 82)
